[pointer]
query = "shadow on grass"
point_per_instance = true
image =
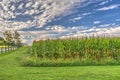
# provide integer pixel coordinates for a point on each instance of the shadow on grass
(62, 64)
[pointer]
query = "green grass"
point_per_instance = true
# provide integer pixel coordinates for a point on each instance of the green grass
(11, 69)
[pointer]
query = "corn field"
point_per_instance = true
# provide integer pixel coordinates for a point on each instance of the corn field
(99, 48)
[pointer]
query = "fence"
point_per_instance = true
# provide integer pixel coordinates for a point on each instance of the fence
(7, 49)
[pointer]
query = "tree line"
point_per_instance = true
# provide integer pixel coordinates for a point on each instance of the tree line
(12, 38)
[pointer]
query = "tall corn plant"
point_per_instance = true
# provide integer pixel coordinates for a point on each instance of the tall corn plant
(96, 48)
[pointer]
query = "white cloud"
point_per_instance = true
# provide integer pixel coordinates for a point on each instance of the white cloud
(41, 12)
(55, 28)
(117, 19)
(76, 19)
(76, 28)
(96, 22)
(21, 6)
(79, 17)
(104, 2)
(84, 14)
(95, 31)
(13, 8)
(29, 4)
(109, 7)
(105, 25)
(44, 11)
(29, 36)
(36, 5)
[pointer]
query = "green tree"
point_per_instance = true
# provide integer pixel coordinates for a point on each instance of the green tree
(12, 38)
(17, 39)
(8, 38)
(1, 39)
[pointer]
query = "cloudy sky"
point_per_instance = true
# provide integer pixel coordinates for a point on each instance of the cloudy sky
(40, 19)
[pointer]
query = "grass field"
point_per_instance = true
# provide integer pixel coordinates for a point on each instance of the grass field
(10, 69)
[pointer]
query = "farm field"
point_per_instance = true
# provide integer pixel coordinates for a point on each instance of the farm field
(11, 69)
(74, 52)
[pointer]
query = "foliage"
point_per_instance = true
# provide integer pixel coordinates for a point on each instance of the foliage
(17, 39)
(1, 42)
(8, 38)
(1, 39)
(12, 38)
(99, 49)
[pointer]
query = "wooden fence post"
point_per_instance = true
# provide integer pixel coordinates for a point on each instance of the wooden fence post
(0, 50)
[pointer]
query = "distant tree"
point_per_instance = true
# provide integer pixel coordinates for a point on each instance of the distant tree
(1, 39)
(12, 38)
(17, 39)
(8, 38)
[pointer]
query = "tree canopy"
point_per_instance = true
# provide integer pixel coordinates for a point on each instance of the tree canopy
(12, 38)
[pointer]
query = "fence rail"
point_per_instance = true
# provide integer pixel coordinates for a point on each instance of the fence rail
(7, 49)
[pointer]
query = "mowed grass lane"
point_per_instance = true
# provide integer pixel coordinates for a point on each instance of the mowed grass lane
(10, 69)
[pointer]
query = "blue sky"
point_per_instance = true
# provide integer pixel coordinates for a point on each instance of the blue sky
(41, 19)
(93, 15)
